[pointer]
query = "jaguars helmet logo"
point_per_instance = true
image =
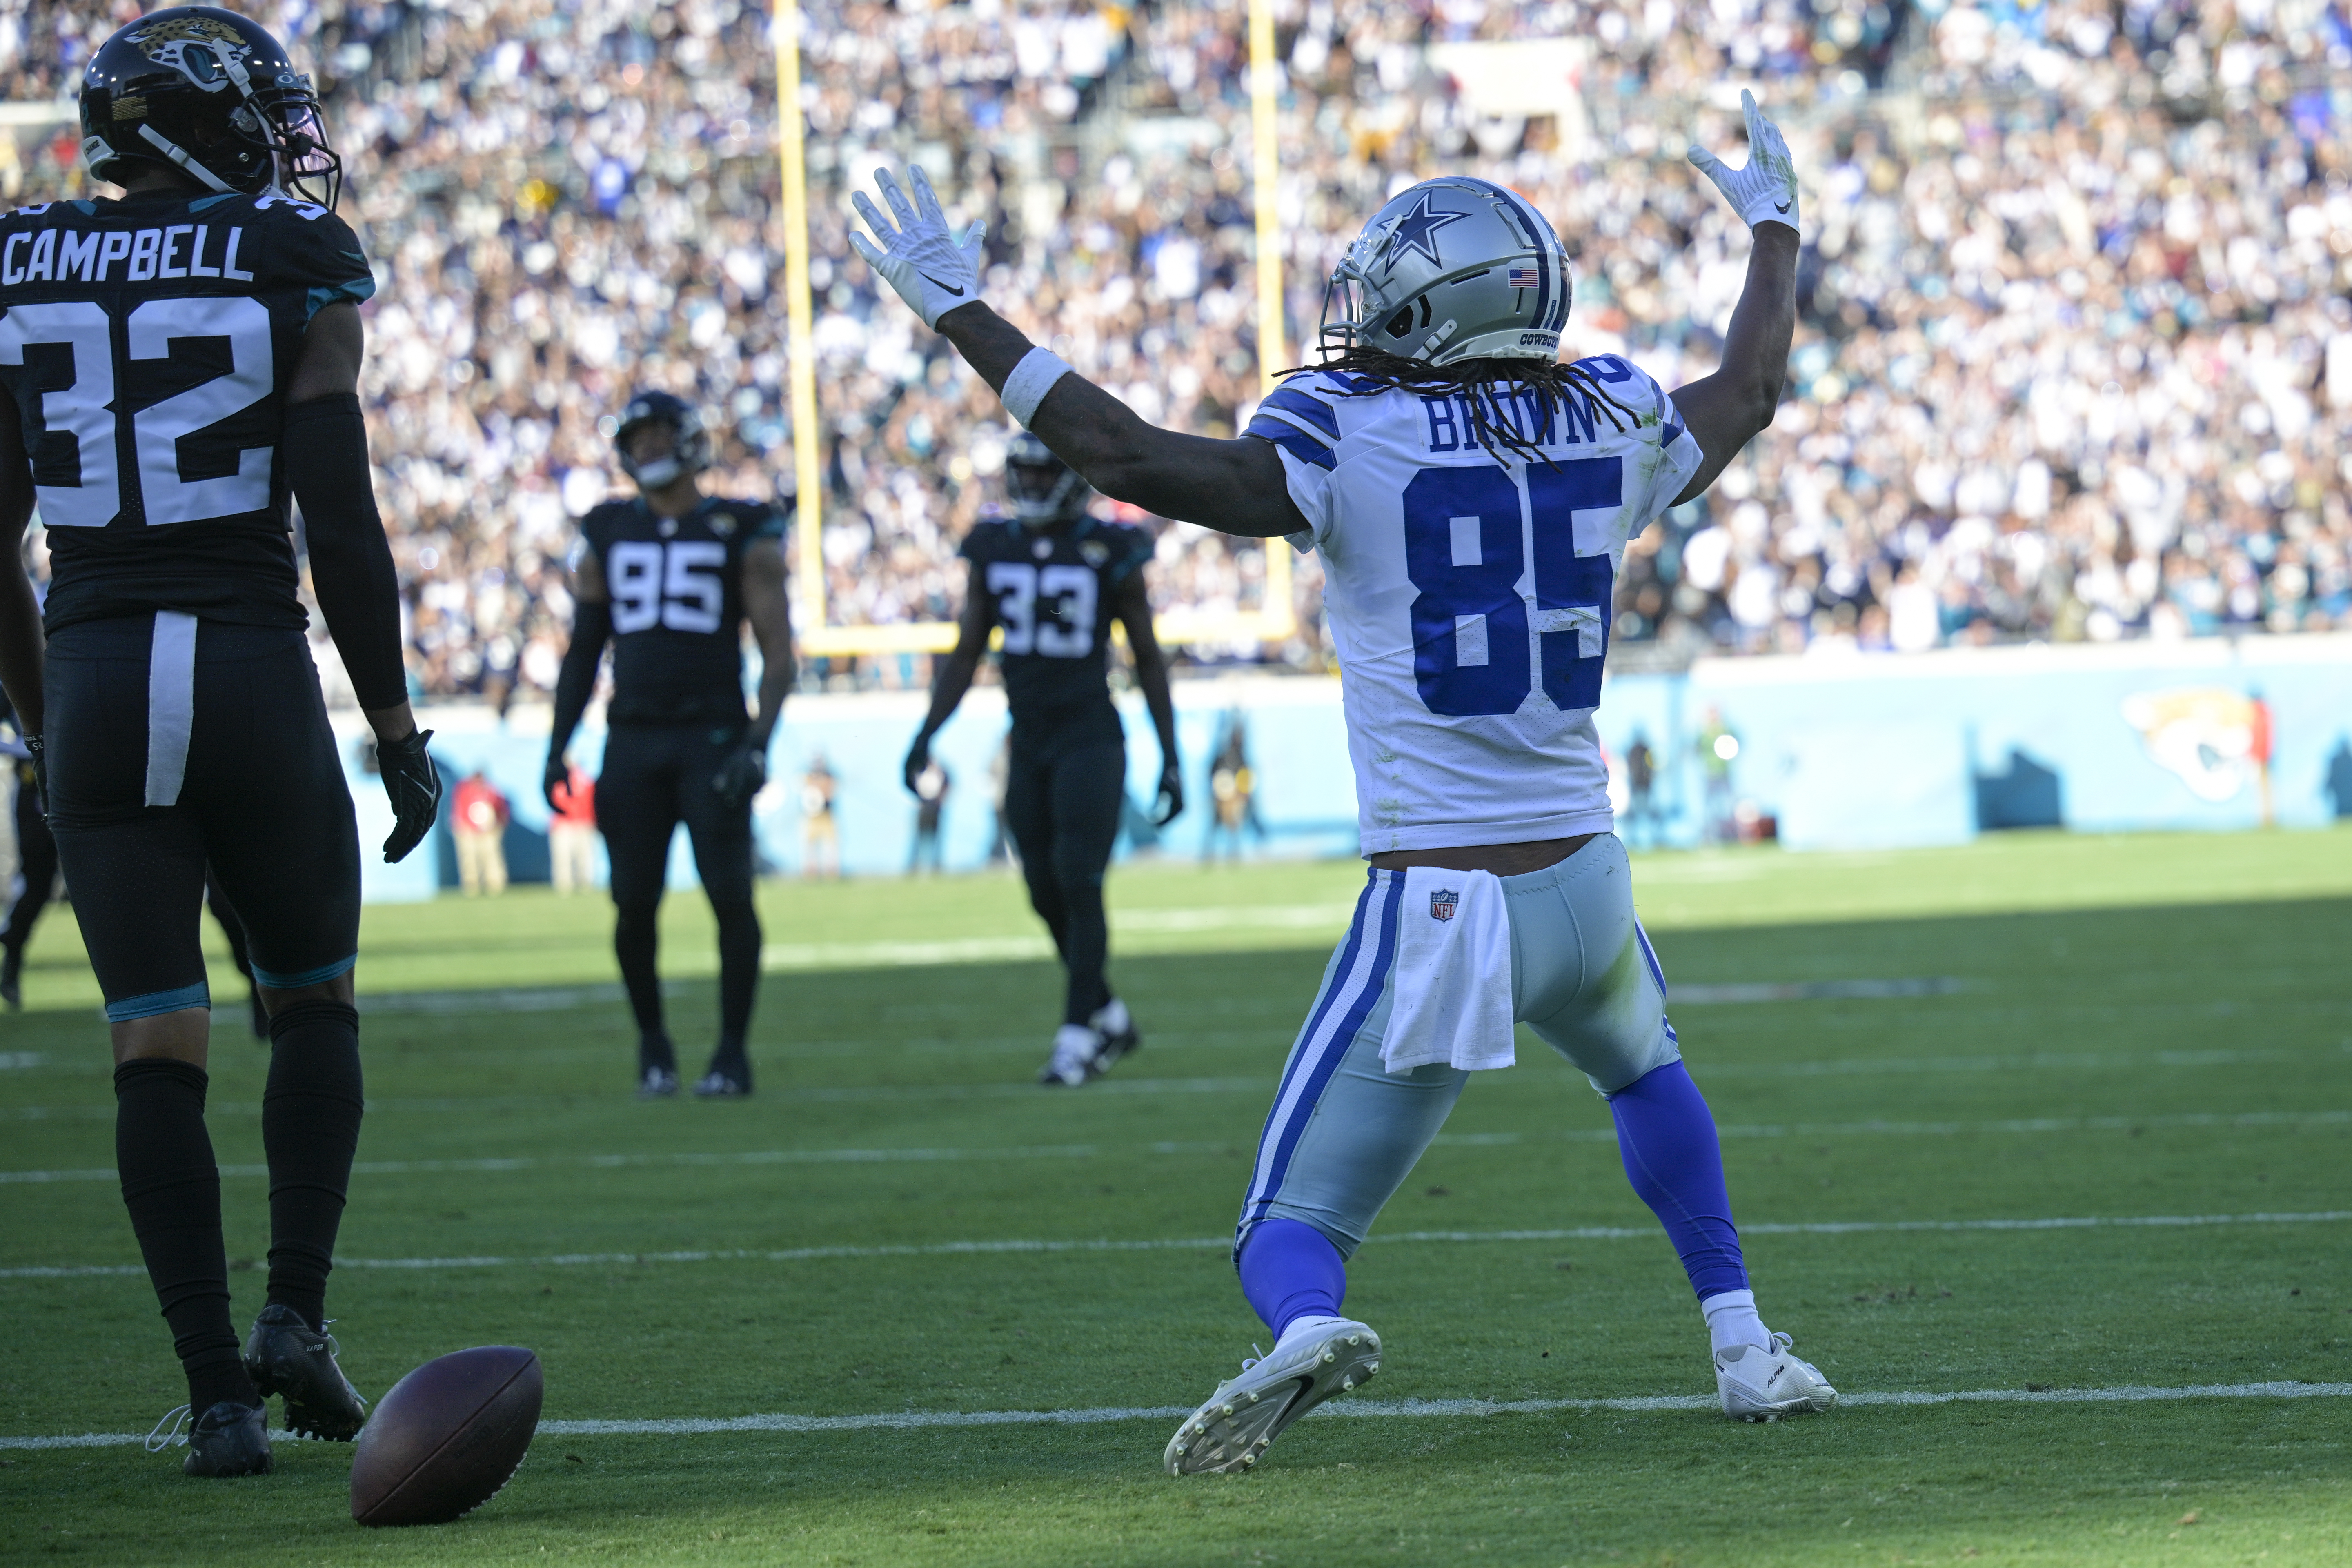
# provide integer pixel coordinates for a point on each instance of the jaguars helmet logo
(206, 52)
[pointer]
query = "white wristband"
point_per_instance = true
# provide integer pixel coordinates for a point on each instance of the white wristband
(1031, 379)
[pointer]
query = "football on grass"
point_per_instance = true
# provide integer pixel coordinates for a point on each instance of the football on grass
(447, 1437)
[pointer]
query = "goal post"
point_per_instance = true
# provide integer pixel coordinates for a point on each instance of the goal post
(818, 636)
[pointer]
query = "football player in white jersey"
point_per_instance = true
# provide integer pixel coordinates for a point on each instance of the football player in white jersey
(1471, 498)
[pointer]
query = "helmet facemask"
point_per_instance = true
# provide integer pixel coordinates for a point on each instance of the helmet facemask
(1043, 488)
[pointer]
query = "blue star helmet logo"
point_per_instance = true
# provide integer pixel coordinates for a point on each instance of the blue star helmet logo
(1417, 230)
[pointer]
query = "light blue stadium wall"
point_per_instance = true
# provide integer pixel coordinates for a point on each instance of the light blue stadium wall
(1858, 752)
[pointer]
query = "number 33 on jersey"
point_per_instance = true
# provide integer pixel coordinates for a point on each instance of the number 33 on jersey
(1468, 591)
(147, 343)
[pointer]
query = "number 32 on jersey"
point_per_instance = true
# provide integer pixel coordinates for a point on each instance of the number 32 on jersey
(1467, 534)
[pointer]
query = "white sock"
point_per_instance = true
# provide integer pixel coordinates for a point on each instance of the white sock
(1732, 1321)
(1304, 1326)
(1111, 1018)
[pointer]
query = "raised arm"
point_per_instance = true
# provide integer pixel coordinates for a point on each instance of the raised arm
(954, 677)
(1235, 487)
(1727, 410)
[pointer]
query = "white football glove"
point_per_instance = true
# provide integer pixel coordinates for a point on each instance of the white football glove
(1766, 190)
(932, 271)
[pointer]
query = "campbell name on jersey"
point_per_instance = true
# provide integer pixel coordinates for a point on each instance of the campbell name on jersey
(677, 587)
(148, 343)
(1468, 591)
(1053, 591)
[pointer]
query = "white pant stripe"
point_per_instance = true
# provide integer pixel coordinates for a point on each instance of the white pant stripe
(171, 704)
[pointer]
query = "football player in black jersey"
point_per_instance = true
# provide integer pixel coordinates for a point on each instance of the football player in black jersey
(172, 365)
(669, 579)
(1054, 579)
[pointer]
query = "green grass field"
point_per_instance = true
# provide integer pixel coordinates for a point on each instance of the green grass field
(2139, 1028)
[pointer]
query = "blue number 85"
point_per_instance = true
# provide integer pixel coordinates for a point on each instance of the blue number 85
(1464, 553)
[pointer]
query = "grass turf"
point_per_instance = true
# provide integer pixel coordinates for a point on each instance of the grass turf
(2145, 1026)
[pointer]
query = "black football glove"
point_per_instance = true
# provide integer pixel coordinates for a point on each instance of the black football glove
(559, 774)
(40, 773)
(414, 786)
(919, 757)
(742, 775)
(1170, 805)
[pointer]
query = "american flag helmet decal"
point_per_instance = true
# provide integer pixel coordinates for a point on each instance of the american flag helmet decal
(1523, 278)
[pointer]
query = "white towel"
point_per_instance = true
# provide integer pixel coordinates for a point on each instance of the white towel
(1451, 1003)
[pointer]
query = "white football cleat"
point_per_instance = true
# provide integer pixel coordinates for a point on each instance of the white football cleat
(1231, 1432)
(1757, 1384)
(1077, 1052)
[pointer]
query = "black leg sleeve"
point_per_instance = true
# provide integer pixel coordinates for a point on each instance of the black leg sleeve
(636, 811)
(1028, 817)
(36, 870)
(1088, 787)
(171, 1188)
(309, 1129)
(722, 857)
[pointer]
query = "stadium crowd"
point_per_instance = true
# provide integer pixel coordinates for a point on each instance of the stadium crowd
(2076, 359)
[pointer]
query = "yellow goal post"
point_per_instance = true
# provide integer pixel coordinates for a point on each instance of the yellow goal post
(1274, 621)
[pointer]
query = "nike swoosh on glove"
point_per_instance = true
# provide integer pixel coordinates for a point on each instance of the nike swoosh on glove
(931, 271)
(413, 786)
(1766, 190)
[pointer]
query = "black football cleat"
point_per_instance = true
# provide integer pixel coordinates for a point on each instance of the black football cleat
(12, 977)
(285, 1356)
(1119, 1035)
(657, 1083)
(229, 1440)
(732, 1082)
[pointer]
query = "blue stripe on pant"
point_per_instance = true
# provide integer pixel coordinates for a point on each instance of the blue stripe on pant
(1344, 1021)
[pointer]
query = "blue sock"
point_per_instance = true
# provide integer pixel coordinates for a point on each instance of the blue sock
(1666, 1136)
(1290, 1270)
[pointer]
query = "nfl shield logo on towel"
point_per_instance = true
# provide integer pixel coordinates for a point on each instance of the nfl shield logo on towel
(1443, 904)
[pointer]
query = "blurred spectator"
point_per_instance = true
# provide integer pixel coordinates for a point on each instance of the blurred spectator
(477, 820)
(1640, 792)
(820, 830)
(1233, 794)
(1719, 748)
(572, 833)
(931, 787)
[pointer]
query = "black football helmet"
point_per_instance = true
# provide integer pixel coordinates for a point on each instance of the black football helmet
(1043, 488)
(689, 451)
(213, 93)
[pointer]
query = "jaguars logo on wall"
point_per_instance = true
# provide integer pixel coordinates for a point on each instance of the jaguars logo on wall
(195, 47)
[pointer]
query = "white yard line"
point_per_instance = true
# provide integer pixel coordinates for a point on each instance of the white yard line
(1218, 1243)
(2018, 1126)
(1372, 1409)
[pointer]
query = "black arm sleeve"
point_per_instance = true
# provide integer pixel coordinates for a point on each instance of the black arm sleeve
(325, 447)
(591, 626)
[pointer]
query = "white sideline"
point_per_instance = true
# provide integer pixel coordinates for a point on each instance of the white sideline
(1087, 1151)
(902, 1420)
(1210, 1243)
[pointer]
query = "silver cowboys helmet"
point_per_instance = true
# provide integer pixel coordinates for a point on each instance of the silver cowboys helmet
(1454, 269)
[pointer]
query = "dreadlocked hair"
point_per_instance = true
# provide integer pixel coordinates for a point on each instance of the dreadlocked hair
(1485, 385)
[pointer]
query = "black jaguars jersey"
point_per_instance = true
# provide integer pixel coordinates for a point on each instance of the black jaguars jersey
(148, 343)
(677, 587)
(1052, 592)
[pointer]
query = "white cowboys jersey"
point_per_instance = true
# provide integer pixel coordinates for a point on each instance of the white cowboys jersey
(1469, 597)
